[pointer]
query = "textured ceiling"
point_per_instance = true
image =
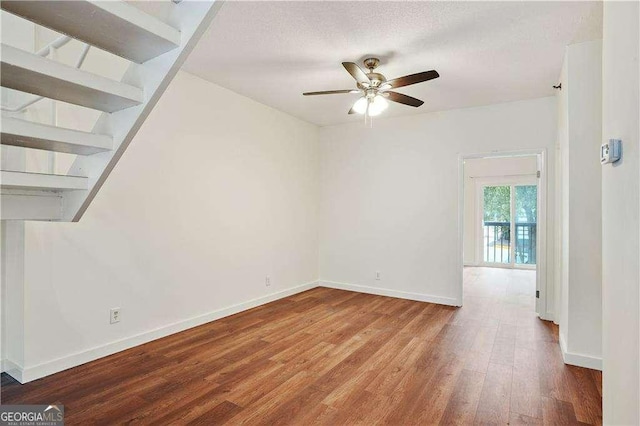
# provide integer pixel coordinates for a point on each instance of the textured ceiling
(485, 52)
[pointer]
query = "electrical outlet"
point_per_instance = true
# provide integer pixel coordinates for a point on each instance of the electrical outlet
(115, 315)
(378, 275)
(267, 281)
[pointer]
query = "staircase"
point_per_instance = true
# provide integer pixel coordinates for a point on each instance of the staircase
(155, 50)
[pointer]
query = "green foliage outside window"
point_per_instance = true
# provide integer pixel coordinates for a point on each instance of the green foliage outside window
(497, 203)
(526, 203)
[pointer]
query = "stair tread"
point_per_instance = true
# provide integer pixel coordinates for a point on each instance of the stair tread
(31, 206)
(31, 73)
(41, 181)
(114, 26)
(29, 134)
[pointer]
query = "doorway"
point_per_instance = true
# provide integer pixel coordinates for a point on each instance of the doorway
(502, 218)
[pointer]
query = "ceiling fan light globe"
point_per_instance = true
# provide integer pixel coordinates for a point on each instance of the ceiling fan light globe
(378, 104)
(360, 106)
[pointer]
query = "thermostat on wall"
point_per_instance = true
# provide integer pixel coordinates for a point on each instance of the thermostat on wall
(610, 151)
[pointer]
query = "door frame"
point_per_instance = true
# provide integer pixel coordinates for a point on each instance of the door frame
(541, 248)
(511, 181)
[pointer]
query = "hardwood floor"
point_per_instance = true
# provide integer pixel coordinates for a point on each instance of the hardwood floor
(336, 357)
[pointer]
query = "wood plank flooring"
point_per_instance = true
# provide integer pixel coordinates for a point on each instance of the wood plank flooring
(335, 357)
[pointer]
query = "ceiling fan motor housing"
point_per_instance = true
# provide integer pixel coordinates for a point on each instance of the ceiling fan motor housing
(371, 63)
(376, 78)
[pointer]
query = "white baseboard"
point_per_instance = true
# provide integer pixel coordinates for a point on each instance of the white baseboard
(579, 360)
(28, 374)
(450, 301)
(12, 369)
(548, 316)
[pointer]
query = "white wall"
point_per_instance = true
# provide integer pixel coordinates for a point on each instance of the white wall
(620, 216)
(389, 194)
(215, 192)
(580, 129)
(480, 169)
(561, 215)
(13, 314)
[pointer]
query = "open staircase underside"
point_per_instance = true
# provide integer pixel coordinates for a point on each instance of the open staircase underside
(156, 50)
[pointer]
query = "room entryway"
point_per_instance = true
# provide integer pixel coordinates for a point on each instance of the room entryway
(503, 215)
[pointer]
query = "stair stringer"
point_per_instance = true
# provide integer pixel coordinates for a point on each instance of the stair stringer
(192, 18)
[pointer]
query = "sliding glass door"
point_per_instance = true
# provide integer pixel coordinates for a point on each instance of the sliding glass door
(497, 224)
(509, 224)
(525, 215)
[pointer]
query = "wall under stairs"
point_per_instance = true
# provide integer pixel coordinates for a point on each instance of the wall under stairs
(215, 193)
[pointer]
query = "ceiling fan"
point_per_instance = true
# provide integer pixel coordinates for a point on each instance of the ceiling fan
(376, 89)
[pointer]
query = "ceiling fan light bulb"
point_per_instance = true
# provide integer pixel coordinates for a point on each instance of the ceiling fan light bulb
(378, 104)
(380, 100)
(360, 106)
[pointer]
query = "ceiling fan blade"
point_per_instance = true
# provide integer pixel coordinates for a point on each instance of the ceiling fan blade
(356, 72)
(331, 92)
(412, 79)
(403, 99)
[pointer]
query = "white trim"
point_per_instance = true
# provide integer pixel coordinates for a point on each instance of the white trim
(420, 297)
(579, 360)
(542, 304)
(14, 370)
(28, 374)
(548, 316)
(541, 266)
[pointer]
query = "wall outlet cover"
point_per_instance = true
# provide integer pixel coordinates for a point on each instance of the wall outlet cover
(114, 316)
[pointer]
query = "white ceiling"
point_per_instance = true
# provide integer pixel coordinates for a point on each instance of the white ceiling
(485, 52)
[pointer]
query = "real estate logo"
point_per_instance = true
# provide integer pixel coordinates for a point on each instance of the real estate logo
(31, 415)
